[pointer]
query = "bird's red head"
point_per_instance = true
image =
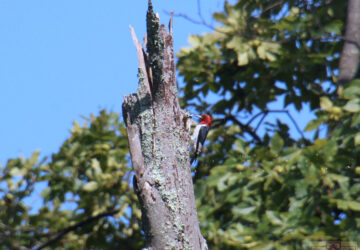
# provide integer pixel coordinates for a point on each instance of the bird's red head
(206, 119)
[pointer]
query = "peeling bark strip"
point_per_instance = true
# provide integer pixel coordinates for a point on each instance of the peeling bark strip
(159, 143)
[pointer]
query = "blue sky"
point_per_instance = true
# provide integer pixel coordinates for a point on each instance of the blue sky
(63, 59)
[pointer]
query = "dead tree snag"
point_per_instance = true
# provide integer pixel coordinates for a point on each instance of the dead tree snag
(159, 143)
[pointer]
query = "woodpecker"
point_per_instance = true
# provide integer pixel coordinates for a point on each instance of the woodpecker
(199, 136)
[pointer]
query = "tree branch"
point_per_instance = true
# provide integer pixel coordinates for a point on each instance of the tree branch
(351, 41)
(261, 120)
(254, 117)
(265, 113)
(202, 20)
(252, 132)
(57, 236)
(192, 20)
(246, 128)
(271, 6)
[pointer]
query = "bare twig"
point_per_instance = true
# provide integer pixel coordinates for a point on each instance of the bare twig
(202, 20)
(265, 113)
(325, 38)
(261, 120)
(199, 11)
(252, 132)
(295, 124)
(63, 232)
(192, 20)
(12, 232)
(254, 117)
(246, 128)
(270, 7)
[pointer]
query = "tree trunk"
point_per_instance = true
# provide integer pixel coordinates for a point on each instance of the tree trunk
(349, 59)
(159, 143)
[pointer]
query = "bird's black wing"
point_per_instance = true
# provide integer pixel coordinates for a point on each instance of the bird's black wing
(202, 137)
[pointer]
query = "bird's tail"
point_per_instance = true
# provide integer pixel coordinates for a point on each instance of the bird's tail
(193, 158)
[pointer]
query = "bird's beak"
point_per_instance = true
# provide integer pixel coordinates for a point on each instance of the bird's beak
(198, 116)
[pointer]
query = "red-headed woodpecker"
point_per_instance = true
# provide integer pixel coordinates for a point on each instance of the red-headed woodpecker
(199, 136)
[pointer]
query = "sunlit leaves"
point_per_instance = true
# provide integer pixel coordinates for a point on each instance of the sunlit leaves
(348, 205)
(87, 177)
(353, 105)
(357, 139)
(352, 90)
(281, 193)
(90, 186)
(286, 43)
(313, 124)
(287, 192)
(268, 51)
(325, 103)
(277, 143)
(243, 50)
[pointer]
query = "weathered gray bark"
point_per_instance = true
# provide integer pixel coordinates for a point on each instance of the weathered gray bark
(349, 59)
(159, 143)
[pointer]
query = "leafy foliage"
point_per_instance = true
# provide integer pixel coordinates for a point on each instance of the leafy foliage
(260, 52)
(274, 191)
(86, 184)
(269, 191)
(282, 197)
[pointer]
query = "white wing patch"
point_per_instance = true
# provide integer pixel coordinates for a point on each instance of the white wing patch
(195, 135)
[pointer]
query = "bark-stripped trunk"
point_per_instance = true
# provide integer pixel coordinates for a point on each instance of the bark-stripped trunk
(159, 143)
(349, 59)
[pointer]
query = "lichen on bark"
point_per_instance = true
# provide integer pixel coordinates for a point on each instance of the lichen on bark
(159, 143)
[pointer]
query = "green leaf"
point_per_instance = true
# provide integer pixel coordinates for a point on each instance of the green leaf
(352, 105)
(243, 50)
(90, 186)
(241, 146)
(200, 189)
(223, 182)
(261, 52)
(277, 143)
(18, 172)
(267, 50)
(243, 58)
(357, 139)
(354, 205)
(313, 124)
(301, 189)
(243, 210)
(95, 164)
(194, 40)
(351, 92)
(46, 193)
(355, 120)
(355, 189)
(275, 220)
(325, 103)
(220, 17)
(357, 170)
(341, 204)
(345, 205)
(334, 27)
